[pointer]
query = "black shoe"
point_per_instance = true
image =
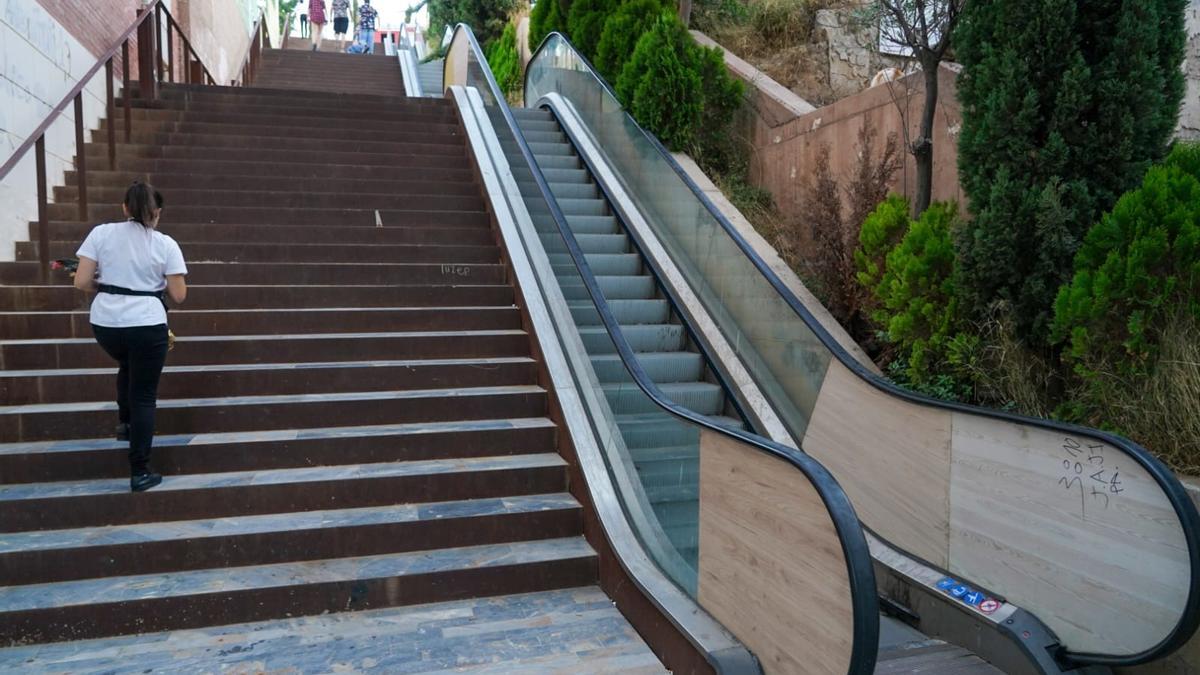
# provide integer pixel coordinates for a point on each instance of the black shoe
(122, 432)
(144, 482)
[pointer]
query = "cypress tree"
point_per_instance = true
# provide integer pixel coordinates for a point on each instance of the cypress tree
(586, 21)
(622, 30)
(548, 16)
(1065, 105)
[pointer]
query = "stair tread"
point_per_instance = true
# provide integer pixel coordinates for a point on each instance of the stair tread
(266, 436)
(290, 365)
(250, 578)
(42, 540)
(455, 392)
(277, 336)
(234, 479)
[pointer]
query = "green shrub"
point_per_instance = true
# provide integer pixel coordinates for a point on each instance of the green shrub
(547, 16)
(622, 30)
(881, 232)
(486, 18)
(505, 62)
(717, 148)
(586, 23)
(660, 86)
(1065, 106)
(916, 301)
(1138, 268)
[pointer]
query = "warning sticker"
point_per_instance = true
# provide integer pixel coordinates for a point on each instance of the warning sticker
(990, 605)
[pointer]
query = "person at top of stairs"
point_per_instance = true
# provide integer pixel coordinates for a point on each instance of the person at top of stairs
(366, 25)
(136, 264)
(316, 17)
(341, 20)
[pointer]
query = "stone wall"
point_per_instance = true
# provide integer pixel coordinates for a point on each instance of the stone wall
(1189, 119)
(785, 132)
(47, 46)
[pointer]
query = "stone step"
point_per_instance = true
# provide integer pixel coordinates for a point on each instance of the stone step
(477, 235)
(291, 116)
(191, 201)
(402, 144)
(222, 347)
(286, 94)
(217, 452)
(59, 421)
(29, 387)
(55, 506)
(137, 604)
(202, 323)
(448, 182)
(18, 273)
(432, 155)
(230, 252)
(576, 630)
(401, 131)
(210, 543)
(153, 168)
(290, 296)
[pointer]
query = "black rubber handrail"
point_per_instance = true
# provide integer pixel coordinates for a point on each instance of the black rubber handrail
(860, 566)
(1176, 494)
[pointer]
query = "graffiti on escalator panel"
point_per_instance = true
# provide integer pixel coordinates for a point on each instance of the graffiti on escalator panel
(1087, 471)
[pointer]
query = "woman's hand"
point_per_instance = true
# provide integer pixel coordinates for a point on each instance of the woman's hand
(85, 275)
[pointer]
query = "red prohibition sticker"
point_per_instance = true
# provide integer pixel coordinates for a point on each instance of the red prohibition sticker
(988, 606)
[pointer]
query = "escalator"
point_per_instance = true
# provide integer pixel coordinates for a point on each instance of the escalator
(964, 506)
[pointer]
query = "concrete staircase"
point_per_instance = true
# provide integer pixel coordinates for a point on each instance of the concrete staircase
(665, 452)
(351, 418)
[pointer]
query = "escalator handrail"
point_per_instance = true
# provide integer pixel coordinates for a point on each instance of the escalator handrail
(1176, 494)
(860, 566)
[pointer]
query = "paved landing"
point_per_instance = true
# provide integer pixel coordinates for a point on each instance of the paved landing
(568, 631)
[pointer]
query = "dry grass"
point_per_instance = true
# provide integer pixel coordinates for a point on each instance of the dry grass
(776, 36)
(1007, 374)
(1162, 410)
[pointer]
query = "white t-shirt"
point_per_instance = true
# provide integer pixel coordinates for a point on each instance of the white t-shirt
(132, 256)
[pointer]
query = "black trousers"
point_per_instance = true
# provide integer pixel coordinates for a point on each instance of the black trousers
(140, 351)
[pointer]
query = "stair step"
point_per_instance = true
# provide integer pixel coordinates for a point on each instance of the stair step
(201, 273)
(477, 235)
(230, 252)
(42, 422)
(68, 385)
(222, 348)
(83, 459)
(625, 311)
(170, 547)
(151, 168)
(643, 338)
(438, 131)
(53, 612)
(51, 298)
(701, 397)
(48, 330)
(661, 367)
(51, 506)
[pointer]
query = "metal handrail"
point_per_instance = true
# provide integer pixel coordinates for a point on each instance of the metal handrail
(860, 571)
(1174, 491)
(250, 62)
(150, 74)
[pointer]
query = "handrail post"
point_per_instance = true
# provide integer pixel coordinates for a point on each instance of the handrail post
(147, 87)
(158, 62)
(110, 113)
(81, 159)
(125, 93)
(170, 50)
(39, 153)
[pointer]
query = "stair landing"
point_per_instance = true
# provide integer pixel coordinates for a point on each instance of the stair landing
(565, 631)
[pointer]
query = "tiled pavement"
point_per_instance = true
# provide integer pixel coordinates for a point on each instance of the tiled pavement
(566, 631)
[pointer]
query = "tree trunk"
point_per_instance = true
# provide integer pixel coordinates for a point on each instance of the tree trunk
(685, 12)
(922, 146)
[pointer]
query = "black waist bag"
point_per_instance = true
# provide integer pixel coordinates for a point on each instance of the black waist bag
(161, 295)
(120, 290)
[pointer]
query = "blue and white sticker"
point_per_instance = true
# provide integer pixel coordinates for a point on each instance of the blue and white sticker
(946, 583)
(973, 598)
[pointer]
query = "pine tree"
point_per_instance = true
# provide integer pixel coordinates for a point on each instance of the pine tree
(1065, 105)
(548, 16)
(622, 30)
(586, 22)
(660, 84)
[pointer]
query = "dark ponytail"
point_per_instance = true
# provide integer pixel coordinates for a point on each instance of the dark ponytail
(142, 200)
